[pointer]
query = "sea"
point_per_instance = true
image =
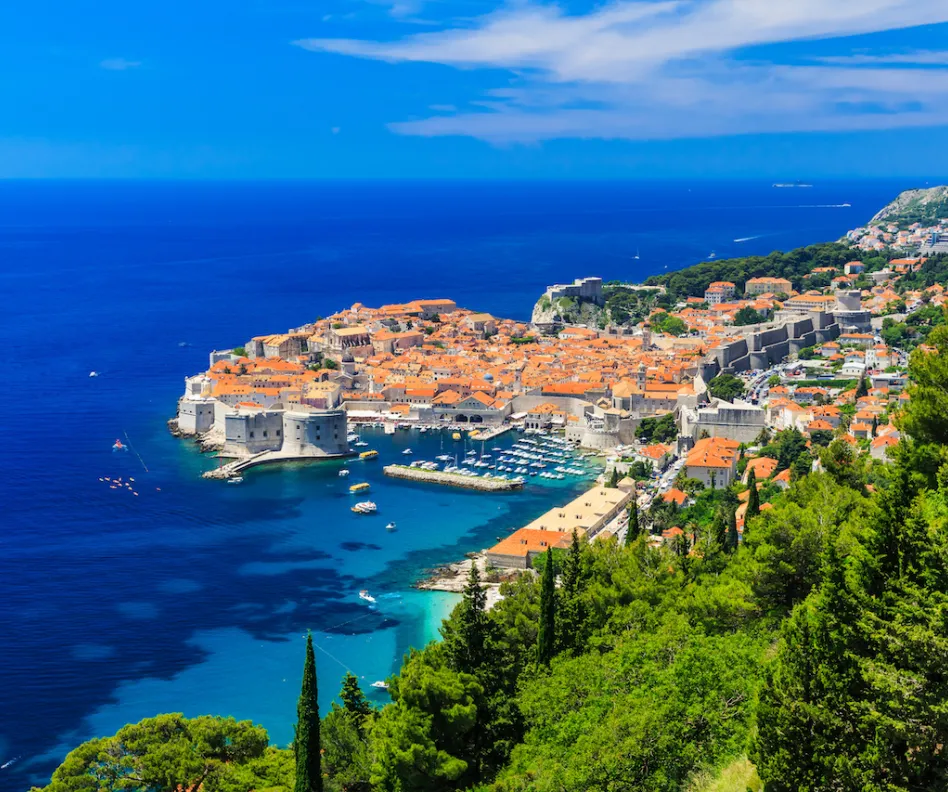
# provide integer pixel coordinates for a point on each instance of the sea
(179, 594)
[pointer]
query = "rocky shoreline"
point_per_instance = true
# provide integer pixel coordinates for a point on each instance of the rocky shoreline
(453, 577)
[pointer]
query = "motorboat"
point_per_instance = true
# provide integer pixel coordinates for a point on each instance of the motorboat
(362, 486)
(364, 594)
(344, 472)
(365, 507)
(235, 480)
(380, 685)
(390, 527)
(368, 454)
(407, 451)
(93, 373)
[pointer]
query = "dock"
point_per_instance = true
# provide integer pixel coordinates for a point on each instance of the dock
(489, 434)
(236, 467)
(479, 483)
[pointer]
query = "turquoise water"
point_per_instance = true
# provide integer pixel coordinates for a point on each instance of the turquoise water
(315, 553)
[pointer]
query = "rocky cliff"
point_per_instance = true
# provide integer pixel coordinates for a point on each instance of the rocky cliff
(915, 206)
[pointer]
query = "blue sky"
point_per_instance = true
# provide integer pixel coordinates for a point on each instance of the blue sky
(474, 88)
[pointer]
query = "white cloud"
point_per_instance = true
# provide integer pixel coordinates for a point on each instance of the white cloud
(119, 64)
(676, 68)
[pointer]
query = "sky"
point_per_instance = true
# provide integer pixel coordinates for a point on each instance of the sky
(784, 89)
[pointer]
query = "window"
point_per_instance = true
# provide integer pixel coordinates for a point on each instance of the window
(251, 434)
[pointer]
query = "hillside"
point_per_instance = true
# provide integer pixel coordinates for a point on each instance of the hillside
(915, 206)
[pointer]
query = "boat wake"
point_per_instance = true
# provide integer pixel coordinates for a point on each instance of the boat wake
(748, 239)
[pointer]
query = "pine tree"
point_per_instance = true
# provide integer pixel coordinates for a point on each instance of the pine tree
(353, 699)
(632, 531)
(753, 498)
(731, 538)
(306, 746)
(468, 643)
(546, 635)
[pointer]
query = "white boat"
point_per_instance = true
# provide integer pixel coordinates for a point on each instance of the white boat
(365, 507)
(364, 594)
(352, 438)
(380, 685)
(361, 444)
(235, 480)
(407, 451)
(389, 428)
(390, 527)
(344, 472)
(93, 373)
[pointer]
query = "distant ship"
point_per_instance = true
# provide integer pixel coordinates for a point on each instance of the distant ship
(794, 184)
(636, 257)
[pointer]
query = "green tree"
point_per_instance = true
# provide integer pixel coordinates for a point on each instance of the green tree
(862, 389)
(925, 417)
(546, 636)
(632, 528)
(169, 753)
(747, 316)
(614, 478)
(572, 610)
(726, 386)
(468, 635)
(753, 498)
(731, 537)
(353, 699)
(306, 745)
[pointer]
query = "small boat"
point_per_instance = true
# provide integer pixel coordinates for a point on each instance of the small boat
(368, 454)
(364, 594)
(456, 436)
(365, 507)
(390, 527)
(380, 685)
(360, 444)
(362, 486)
(389, 429)
(117, 446)
(344, 472)
(93, 373)
(407, 451)
(235, 480)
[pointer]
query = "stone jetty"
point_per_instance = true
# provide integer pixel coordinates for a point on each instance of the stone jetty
(491, 484)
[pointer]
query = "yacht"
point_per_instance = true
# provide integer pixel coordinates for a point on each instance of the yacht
(407, 451)
(380, 685)
(344, 472)
(390, 527)
(365, 507)
(235, 480)
(364, 594)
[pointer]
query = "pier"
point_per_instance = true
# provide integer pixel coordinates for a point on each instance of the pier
(489, 484)
(484, 435)
(236, 467)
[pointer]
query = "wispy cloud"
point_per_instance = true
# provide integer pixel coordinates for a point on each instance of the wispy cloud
(119, 64)
(677, 68)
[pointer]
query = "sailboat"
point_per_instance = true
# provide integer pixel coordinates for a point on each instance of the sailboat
(636, 257)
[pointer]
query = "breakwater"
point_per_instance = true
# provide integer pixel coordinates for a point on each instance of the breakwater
(452, 479)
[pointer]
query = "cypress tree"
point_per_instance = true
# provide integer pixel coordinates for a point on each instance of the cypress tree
(862, 389)
(731, 538)
(753, 498)
(546, 634)
(614, 480)
(632, 531)
(573, 614)
(875, 425)
(306, 746)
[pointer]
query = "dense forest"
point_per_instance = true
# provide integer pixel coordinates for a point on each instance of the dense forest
(811, 655)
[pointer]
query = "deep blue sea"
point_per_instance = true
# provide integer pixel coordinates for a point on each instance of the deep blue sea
(194, 596)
